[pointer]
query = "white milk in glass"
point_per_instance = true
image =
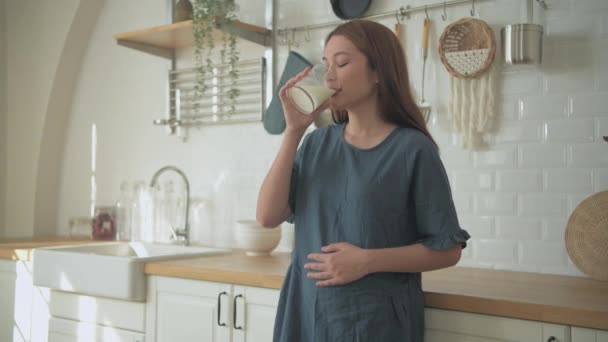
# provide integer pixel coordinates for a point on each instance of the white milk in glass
(307, 98)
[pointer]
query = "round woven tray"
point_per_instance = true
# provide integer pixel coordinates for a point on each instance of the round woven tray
(467, 47)
(587, 236)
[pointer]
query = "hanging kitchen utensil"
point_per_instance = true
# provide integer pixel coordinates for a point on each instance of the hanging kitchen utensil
(424, 106)
(398, 27)
(274, 118)
(523, 43)
(350, 9)
(467, 48)
(587, 236)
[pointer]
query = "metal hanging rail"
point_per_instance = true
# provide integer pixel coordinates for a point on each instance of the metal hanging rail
(402, 12)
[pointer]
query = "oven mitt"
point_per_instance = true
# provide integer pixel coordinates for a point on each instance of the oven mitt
(274, 118)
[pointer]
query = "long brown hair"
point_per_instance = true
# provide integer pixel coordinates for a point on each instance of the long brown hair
(387, 58)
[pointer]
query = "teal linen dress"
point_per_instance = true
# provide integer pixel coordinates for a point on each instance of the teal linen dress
(394, 194)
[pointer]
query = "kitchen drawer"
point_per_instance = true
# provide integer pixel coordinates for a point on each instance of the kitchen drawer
(65, 330)
(455, 326)
(98, 310)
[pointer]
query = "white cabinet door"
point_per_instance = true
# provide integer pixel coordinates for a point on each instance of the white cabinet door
(23, 310)
(65, 330)
(8, 276)
(188, 310)
(454, 326)
(254, 313)
(589, 335)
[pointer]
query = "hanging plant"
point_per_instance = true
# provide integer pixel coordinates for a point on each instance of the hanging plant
(208, 15)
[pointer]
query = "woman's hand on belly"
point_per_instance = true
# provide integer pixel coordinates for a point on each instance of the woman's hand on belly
(340, 263)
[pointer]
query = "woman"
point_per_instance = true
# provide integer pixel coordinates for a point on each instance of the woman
(369, 196)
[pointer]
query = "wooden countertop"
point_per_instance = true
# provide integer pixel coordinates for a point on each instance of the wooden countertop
(540, 297)
(21, 248)
(235, 268)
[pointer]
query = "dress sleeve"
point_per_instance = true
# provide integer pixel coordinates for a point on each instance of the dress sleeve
(295, 175)
(436, 221)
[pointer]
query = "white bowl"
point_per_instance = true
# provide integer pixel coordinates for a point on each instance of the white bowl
(256, 239)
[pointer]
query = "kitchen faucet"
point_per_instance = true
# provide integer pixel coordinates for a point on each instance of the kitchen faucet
(177, 232)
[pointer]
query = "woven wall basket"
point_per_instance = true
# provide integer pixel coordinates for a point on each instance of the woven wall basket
(467, 47)
(587, 236)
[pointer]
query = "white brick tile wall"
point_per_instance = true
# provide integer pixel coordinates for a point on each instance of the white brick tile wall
(569, 81)
(521, 83)
(509, 108)
(472, 181)
(548, 107)
(588, 104)
(600, 51)
(539, 205)
(499, 157)
(542, 155)
(588, 155)
(575, 199)
(519, 131)
(542, 253)
(455, 159)
(554, 229)
(568, 180)
(495, 204)
(600, 180)
(495, 250)
(601, 128)
(560, 29)
(518, 228)
(519, 181)
(482, 227)
(589, 5)
(601, 77)
(463, 202)
(569, 130)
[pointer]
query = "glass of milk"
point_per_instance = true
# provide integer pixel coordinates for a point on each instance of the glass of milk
(310, 92)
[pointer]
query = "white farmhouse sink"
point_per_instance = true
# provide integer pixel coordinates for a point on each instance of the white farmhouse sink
(114, 269)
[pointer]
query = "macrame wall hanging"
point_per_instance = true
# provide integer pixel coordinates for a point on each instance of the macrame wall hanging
(467, 48)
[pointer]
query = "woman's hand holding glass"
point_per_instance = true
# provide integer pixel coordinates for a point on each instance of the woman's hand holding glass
(297, 116)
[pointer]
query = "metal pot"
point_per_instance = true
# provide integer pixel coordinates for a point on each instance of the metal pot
(522, 43)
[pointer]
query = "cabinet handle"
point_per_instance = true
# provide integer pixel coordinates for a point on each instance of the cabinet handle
(551, 339)
(234, 312)
(219, 308)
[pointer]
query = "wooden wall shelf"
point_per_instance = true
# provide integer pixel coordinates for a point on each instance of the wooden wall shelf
(163, 40)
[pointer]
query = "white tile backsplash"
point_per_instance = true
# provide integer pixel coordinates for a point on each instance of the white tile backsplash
(541, 205)
(544, 107)
(495, 251)
(518, 228)
(567, 180)
(600, 179)
(554, 229)
(514, 197)
(543, 253)
(482, 227)
(504, 157)
(590, 104)
(495, 204)
(588, 155)
(569, 130)
(472, 181)
(542, 155)
(519, 131)
(600, 76)
(518, 181)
